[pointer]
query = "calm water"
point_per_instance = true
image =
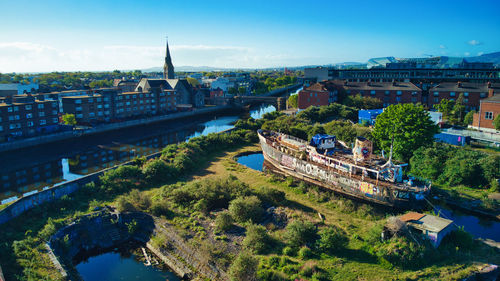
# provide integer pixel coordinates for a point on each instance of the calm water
(37, 168)
(478, 227)
(114, 266)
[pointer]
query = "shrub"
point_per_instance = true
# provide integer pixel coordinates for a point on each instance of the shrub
(244, 267)
(134, 201)
(257, 239)
(246, 208)
(402, 252)
(271, 195)
(121, 179)
(458, 238)
(223, 221)
(299, 233)
(331, 239)
(161, 208)
(157, 171)
(289, 251)
(305, 253)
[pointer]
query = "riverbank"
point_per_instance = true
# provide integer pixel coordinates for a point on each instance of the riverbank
(19, 144)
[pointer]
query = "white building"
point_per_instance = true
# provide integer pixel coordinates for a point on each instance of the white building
(221, 83)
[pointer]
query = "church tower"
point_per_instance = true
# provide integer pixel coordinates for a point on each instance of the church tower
(168, 67)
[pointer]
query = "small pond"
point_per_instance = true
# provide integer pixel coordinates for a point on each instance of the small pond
(121, 266)
(477, 226)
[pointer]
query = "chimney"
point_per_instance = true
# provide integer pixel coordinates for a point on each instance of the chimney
(346, 82)
(491, 93)
(8, 99)
(489, 85)
(459, 84)
(394, 82)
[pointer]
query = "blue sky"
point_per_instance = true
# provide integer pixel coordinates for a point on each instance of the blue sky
(106, 35)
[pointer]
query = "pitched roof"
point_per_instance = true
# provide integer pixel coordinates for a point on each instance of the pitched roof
(465, 86)
(425, 222)
(401, 86)
(495, 98)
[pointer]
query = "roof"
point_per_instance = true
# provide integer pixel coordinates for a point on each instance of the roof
(464, 87)
(495, 98)
(316, 87)
(411, 216)
(401, 86)
(426, 222)
(80, 97)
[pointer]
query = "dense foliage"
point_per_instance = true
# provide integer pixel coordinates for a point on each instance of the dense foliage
(358, 101)
(455, 166)
(409, 125)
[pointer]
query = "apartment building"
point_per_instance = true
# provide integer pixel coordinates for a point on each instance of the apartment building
(24, 116)
(472, 92)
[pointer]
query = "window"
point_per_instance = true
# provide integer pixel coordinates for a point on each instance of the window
(99, 99)
(54, 112)
(41, 114)
(28, 107)
(488, 115)
(79, 115)
(16, 108)
(466, 94)
(78, 108)
(452, 94)
(99, 113)
(413, 93)
(30, 123)
(54, 104)
(482, 95)
(399, 93)
(436, 94)
(43, 122)
(9, 109)
(372, 92)
(99, 106)
(436, 100)
(91, 114)
(91, 100)
(29, 115)
(398, 99)
(11, 117)
(414, 99)
(466, 100)
(40, 106)
(16, 117)
(12, 126)
(78, 101)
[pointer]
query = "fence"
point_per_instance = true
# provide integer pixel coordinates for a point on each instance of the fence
(484, 136)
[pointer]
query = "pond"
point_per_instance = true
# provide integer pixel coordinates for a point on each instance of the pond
(477, 226)
(121, 266)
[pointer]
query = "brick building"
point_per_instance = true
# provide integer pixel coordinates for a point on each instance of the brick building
(109, 104)
(318, 94)
(24, 116)
(388, 92)
(473, 93)
(489, 109)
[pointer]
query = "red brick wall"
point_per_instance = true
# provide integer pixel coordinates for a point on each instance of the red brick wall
(392, 97)
(472, 103)
(312, 98)
(479, 118)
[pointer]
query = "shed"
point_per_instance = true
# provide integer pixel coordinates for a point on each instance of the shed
(433, 227)
(453, 139)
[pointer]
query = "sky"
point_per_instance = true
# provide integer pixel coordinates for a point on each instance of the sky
(77, 35)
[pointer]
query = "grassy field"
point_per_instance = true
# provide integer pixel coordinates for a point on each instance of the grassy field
(360, 223)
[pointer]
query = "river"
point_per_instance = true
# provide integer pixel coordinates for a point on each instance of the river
(32, 169)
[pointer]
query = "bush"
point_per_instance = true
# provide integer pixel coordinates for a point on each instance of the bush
(257, 239)
(134, 201)
(161, 208)
(458, 238)
(299, 233)
(331, 239)
(244, 267)
(305, 253)
(157, 171)
(402, 252)
(271, 196)
(121, 179)
(223, 221)
(247, 208)
(289, 251)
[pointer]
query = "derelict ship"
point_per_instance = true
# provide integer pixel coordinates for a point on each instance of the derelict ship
(329, 163)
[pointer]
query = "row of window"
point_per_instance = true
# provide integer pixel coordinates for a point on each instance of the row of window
(466, 94)
(28, 107)
(28, 115)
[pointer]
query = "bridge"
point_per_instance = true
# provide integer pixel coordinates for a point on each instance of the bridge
(277, 98)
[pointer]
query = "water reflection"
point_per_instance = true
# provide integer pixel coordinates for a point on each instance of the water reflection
(21, 176)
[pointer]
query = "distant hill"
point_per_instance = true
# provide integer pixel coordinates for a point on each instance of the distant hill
(491, 57)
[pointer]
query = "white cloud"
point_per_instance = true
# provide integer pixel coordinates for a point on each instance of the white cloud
(442, 47)
(474, 42)
(33, 57)
(480, 53)
(466, 54)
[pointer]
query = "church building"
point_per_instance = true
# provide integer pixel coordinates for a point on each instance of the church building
(186, 95)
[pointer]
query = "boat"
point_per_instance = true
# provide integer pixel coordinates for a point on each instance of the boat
(356, 173)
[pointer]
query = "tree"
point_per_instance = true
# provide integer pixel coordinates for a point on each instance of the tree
(459, 110)
(409, 125)
(244, 267)
(331, 239)
(193, 81)
(242, 90)
(469, 117)
(69, 119)
(223, 221)
(445, 107)
(293, 101)
(232, 91)
(496, 122)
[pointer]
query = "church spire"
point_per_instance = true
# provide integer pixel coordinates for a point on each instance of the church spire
(168, 67)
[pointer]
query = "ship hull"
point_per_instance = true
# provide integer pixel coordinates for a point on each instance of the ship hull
(312, 173)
